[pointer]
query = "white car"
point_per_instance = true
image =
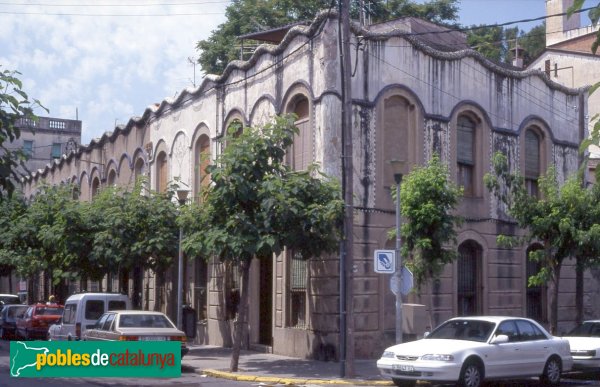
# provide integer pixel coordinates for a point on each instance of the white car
(585, 345)
(468, 350)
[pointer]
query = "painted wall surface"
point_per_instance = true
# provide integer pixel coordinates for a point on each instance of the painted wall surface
(436, 87)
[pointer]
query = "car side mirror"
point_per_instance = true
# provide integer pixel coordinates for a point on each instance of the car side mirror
(500, 339)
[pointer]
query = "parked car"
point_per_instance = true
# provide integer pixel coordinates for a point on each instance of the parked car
(585, 345)
(8, 320)
(36, 320)
(81, 312)
(468, 350)
(9, 299)
(135, 325)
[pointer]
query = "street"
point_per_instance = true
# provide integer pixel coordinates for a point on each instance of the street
(190, 378)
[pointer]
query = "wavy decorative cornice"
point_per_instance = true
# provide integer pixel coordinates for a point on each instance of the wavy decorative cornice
(212, 81)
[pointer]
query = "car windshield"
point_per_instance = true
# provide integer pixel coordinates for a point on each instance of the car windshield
(144, 321)
(9, 300)
(49, 311)
(16, 311)
(472, 330)
(587, 329)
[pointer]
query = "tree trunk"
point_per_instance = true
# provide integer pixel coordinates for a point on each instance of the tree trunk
(240, 327)
(553, 302)
(579, 270)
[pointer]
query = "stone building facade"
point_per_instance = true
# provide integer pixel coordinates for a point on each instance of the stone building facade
(413, 94)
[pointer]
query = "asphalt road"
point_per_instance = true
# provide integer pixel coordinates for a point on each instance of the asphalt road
(190, 378)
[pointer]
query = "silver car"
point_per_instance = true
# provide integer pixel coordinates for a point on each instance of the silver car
(469, 350)
(585, 345)
(135, 325)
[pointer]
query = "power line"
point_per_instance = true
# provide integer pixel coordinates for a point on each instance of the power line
(113, 14)
(145, 4)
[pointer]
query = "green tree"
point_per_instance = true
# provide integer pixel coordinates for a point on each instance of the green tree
(41, 242)
(257, 206)
(248, 16)
(14, 105)
(496, 43)
(561, 219)
(428, 198)
(135, 230)
(11, 209)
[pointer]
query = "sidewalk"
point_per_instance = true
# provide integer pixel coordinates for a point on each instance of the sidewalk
(268, 368)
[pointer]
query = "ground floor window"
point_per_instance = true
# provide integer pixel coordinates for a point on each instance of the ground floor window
(200, 282)
(468, 279)
(298, 278)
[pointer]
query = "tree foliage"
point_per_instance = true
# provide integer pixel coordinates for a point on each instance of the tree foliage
(562, 219)
(428, 198)
(257, 206)
(14, 105)
(496, 43)
(248, 16)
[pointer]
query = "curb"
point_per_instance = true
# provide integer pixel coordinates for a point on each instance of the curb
(288, 381)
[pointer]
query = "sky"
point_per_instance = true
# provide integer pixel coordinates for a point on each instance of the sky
(105, 61)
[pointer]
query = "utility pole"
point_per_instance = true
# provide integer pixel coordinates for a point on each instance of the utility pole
(347, 250)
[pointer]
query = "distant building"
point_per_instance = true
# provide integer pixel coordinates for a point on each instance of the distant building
(46, 139)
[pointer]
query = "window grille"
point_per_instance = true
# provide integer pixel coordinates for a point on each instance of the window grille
(532, 162)
(534, 302)
(200, 289)
(468, 280)
(297, 291)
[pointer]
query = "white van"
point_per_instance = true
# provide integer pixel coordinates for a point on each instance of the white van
(81, 312)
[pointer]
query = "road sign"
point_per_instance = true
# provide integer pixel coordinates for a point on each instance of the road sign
(385, 261)
(407, 280)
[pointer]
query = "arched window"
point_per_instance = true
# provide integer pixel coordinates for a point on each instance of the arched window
(95, 187)
(112, 177)
(299, 156)
(532, 161)
(535, 300)
(465, 154)
(469, 279)
(161, 172)
(396, 119)
(201, 161)
(138, 168)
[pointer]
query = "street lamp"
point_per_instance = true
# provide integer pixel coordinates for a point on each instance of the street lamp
(398, 167)
(182, 195)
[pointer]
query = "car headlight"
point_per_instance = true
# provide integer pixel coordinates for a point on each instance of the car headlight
(388, 354)
(437, 357)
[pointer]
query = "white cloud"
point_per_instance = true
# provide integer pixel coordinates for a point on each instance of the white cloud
(108, 67)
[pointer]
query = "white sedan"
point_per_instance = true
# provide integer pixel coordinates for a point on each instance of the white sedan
(468, 350)
(585, 345)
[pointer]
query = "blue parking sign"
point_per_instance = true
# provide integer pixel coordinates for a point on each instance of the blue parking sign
(385, 261)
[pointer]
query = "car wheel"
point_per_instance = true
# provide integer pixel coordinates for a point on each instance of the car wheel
(471, 375)
(404, 383)
(27, 335)
(552, 371)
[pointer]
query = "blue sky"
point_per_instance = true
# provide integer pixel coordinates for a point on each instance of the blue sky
(110, 59)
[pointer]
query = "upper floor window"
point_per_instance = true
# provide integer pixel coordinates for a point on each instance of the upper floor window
(299, 156)
(465, 154)
(202, 160)
(532, 161)
(56, 150)
(28, 148)
(161, 172)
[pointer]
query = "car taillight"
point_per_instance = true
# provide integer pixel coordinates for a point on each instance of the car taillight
(78, 331)
(128, 338)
